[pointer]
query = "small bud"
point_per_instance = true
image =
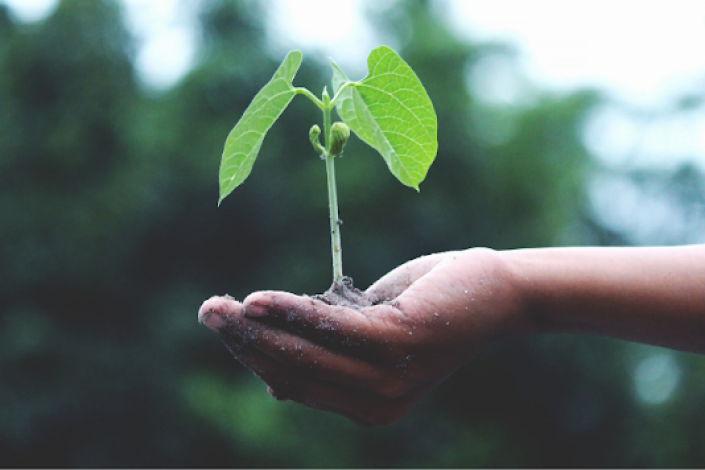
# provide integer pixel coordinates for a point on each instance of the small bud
(313, 135)
(339, 135)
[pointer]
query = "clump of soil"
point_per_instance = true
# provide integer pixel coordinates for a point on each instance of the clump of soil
(347, 295)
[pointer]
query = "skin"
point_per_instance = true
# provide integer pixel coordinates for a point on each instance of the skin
(374, 364)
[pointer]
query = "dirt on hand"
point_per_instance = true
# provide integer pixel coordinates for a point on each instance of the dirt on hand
(347, 295)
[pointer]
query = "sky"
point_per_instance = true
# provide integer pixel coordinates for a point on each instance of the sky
(643, 53)
(641, 50)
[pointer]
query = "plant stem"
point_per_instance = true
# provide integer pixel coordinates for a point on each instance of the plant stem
(309, 95)
(336, 248)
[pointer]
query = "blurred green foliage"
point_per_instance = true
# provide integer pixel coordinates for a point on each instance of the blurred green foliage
(110, 239)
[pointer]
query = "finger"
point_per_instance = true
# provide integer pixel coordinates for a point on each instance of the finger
(335, 326)
(363, 408)
(360, 403)
(392, 284)
(370, 371)
(354, 418)
(284, 386)
(216, 311)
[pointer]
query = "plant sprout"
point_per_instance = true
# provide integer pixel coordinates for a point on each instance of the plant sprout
(389, 110)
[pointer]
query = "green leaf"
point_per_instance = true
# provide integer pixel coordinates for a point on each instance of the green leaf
(391, 111)
(244, 141)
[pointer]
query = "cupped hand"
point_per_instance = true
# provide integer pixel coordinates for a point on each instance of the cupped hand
(372, 364)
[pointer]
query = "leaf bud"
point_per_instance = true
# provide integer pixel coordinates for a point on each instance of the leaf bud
(339, 135)
(313, 135)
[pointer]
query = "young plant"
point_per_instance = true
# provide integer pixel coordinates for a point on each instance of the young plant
(389, 110)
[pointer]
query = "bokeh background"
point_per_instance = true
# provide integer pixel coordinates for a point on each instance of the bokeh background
(110, 239)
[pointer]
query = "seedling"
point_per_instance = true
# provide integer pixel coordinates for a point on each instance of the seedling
(389, 110)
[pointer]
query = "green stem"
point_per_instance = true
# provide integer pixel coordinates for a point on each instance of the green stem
(336, 247)
(337, 96)
(309, 95)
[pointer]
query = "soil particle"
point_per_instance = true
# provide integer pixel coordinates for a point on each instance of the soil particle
(347, 295)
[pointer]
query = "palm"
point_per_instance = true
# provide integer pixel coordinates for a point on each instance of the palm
(374, 363)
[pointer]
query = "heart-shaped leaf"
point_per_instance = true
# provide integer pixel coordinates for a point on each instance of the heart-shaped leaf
(244, 141)
(391, 111)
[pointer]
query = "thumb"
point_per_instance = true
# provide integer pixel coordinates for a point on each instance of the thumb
(394, 283)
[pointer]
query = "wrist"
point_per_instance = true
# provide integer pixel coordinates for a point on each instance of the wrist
(526, 317)
(504, 290)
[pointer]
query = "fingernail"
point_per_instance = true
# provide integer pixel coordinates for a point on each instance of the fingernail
(255, 311)
(210, 319)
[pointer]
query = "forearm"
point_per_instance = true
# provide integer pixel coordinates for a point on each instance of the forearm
(651, 295)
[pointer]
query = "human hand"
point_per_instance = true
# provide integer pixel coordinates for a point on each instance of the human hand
(372, 364)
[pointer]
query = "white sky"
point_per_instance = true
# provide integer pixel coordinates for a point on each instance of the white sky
(643, 52)
(640, 49)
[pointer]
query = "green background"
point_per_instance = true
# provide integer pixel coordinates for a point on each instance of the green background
(110, 239)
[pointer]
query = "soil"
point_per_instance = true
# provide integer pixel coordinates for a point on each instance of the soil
(347, 295)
